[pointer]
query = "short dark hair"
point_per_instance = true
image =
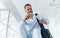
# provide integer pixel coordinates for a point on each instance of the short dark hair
(27, 5)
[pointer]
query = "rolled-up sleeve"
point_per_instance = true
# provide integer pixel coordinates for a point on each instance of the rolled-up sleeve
(39, 16)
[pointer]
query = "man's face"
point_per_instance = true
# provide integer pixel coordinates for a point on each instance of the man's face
(28, 9)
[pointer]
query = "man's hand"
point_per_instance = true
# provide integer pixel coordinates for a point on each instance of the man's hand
(30, 15)
(42, 21)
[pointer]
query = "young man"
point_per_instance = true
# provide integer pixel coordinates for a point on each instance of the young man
(29, 24)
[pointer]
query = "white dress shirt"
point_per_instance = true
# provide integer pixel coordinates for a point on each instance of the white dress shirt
(28, 26)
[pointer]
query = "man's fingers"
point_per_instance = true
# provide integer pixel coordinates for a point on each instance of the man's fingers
(28, 16)
(42, 21)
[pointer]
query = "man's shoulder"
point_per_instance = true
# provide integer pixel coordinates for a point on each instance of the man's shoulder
(37, 13)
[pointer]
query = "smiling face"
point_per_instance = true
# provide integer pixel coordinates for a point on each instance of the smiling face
(28, 9)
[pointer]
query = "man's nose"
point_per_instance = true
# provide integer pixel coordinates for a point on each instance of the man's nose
(29, 10)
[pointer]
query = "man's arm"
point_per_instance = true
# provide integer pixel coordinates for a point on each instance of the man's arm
(42, 19)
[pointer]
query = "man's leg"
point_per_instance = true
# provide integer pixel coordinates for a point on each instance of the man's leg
(37, 33)
(22, 29)
(23, 32)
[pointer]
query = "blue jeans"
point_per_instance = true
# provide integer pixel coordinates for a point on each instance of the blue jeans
(26, 33)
